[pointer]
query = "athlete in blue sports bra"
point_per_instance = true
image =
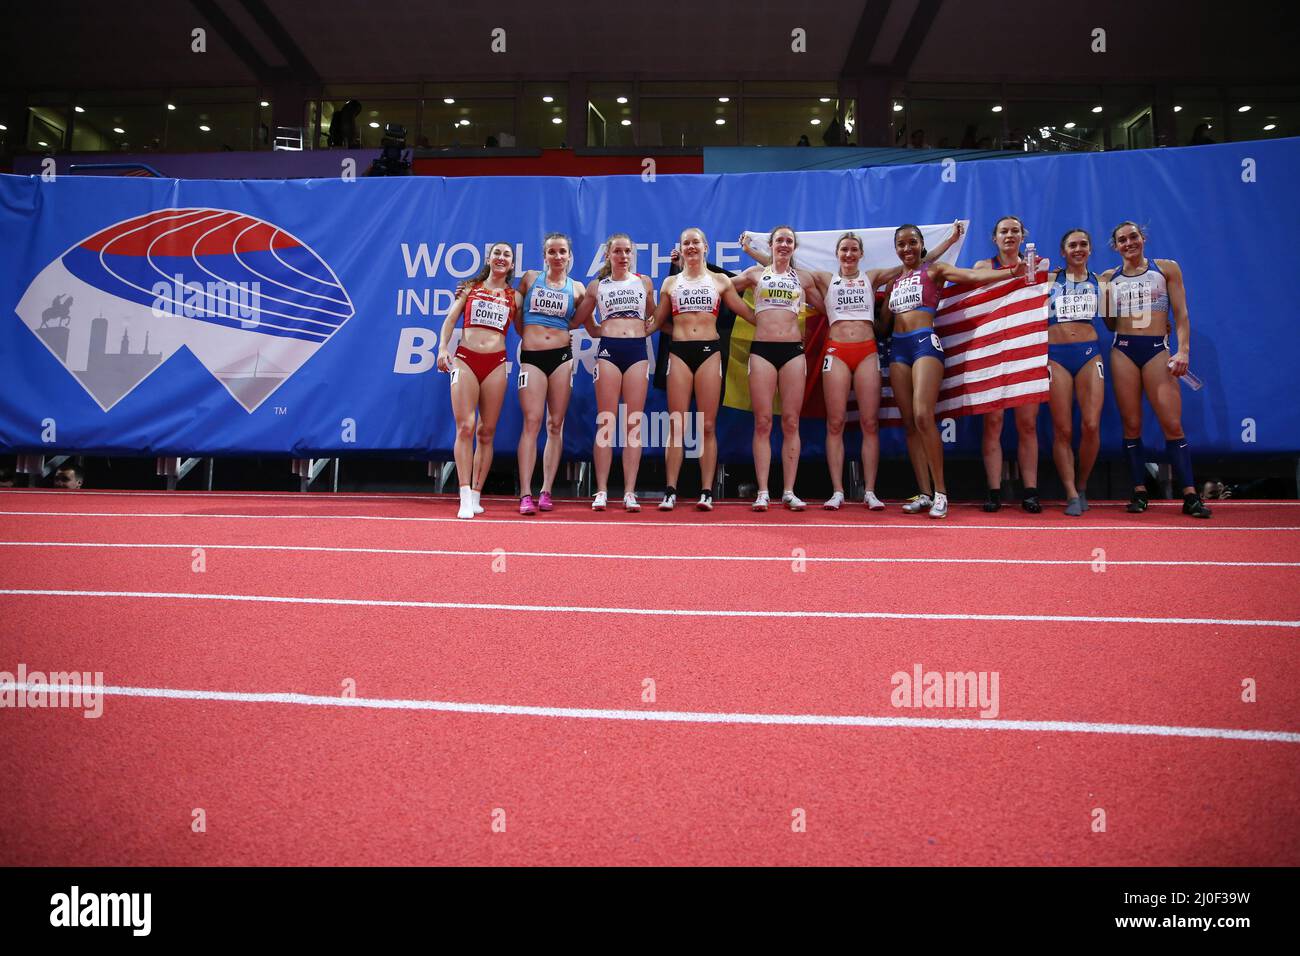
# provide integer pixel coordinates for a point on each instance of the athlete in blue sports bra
(1075, 366)
(550, 300)
(1139, 296)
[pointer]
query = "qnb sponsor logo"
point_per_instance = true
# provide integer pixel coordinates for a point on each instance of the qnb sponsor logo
(75, 908)
(649, 429)
(951, 690)
(249, 300)
(34, 690)
(239, 300)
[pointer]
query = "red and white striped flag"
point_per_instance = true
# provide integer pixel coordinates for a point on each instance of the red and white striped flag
(994, 340)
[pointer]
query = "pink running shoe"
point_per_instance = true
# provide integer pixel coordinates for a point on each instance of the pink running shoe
(544, 502)
(526, 505)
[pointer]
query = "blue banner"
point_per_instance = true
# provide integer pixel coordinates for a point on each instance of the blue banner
(163, 317)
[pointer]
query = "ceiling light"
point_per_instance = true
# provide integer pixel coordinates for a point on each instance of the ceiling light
(41, 142)
(898, 107)
(79, 109)
(1270, 126)
(1178, 109)
(548, 99)
(815, 121)
(627, 122)
(171, 106)
(622, 99)
(206, 129)
(825, 99)
(556, 120)
(998, 108)
(374, 125)
(719, 122)
(448, 100)
(118, 129)
(264, 104)
(1069, 126)
(724, 99)
(1096, 109)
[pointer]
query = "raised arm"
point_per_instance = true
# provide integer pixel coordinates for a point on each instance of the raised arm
(747, 279)
(1178, 306)
(762, 258)
(976, 276)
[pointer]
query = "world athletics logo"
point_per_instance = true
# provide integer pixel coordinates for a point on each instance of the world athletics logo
(249, 300)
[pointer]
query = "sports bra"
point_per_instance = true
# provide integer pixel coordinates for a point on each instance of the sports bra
(489, 308)
(774, 291)
(621, 298)
(552, 308)
(695, 295)
(1070, 301)
(850, 299)
(1139, 295)
(914, 292)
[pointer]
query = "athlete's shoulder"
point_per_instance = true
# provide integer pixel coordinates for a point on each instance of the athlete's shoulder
(1168, 266)
(983, 264)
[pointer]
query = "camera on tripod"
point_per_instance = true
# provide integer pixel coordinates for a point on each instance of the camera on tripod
(394, 160)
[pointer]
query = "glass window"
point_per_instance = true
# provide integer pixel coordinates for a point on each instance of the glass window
(703, 88)
(376, 114)
(543, 104)
(468, 90)
(468, 122)
(46, 126)
(961, 91)
(124, 128)
(781, 122)
(1127, 114)
(375, 91)
(686, 122)
(949, 124)
(1055, 127)
(1198, 116)
(1051, 91)
(781, 88)
(609, 122)
(198, 127)
(1268, 121)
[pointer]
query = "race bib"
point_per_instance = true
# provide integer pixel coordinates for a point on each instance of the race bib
(1076, 306)
(489, 315)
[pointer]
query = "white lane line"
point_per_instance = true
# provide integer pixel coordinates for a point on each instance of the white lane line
(644, 612)
(605, 556)
(681, 716)
(435, 497)
(636, 522)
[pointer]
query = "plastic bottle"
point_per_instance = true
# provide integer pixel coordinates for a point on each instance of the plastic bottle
(1031, 264)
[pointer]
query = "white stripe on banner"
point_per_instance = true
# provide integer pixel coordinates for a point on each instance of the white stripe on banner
(972, 399)
(684, 716)
(975, 376)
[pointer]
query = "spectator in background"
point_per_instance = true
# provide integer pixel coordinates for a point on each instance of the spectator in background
(1201, 136)
(69, 476)
(918, 140)
(803, 141)
(343, 126)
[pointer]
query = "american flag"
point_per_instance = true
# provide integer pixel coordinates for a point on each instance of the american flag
(994, 340)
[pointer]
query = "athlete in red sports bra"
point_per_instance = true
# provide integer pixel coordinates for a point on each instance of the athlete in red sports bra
(478, 368)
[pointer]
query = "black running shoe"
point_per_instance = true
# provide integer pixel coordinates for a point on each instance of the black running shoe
(994, 501)
(1194, 506)
(1138, 504)
(1030, 501)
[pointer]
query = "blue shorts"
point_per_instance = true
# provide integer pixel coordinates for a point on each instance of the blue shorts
(907, 348)
(1141, 348)
(622, 353)
(1073, 356)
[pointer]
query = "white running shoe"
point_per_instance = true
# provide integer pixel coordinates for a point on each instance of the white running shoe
(478, 507)
(762, 501)
(872, 502)
(669, 503)
(790, 501)
(834, 501)
(917, 503)
(602, 499)
(466, 502)
(630, 502)
(706, 501)
(940, 507)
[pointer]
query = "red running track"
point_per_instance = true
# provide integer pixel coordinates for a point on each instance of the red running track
(1091, 715)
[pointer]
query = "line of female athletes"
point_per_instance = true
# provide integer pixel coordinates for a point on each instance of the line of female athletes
(1135, 299)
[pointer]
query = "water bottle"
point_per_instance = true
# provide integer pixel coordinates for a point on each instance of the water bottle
(1188, 379)
(1031, 264)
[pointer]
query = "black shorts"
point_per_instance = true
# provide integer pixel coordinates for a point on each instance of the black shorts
(548, 360)
(696, 352)
(778, 353)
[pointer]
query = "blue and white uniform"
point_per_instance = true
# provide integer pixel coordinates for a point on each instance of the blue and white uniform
(1137, 298)
(1070, 302)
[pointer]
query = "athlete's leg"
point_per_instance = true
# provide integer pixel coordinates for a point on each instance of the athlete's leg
(492, 395)
(835, 390)
(609, 385)
(762, 391)
(559, 388)
(708, 395)
(635, 385)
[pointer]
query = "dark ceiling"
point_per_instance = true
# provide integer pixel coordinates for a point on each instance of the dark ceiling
(78, 44)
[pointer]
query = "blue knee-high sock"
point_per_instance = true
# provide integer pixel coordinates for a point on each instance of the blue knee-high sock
(1137, 458)
(1180, 458)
